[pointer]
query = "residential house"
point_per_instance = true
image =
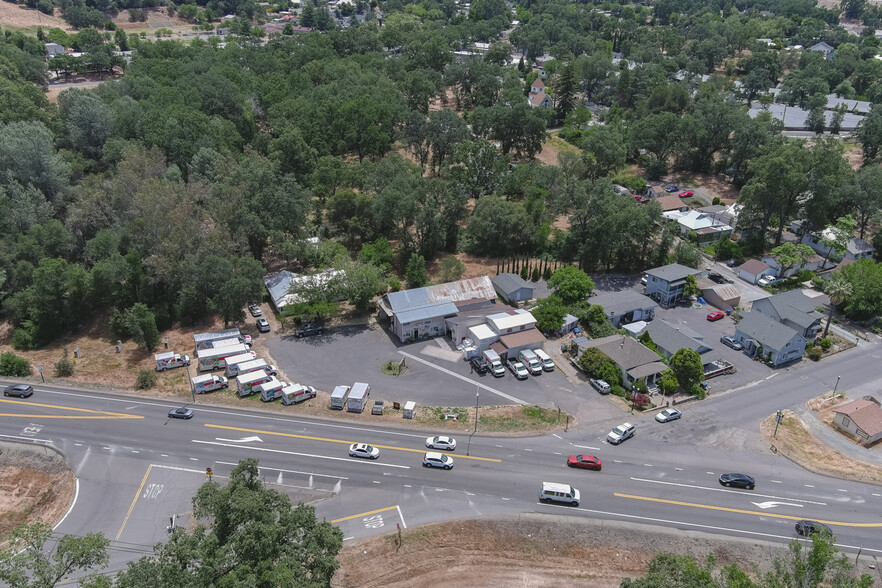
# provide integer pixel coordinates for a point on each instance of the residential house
(861, 419)
(794, 309)
(753, 269)
(282, 286)
(665, 284)
(814, 263)
(53, 49)
(762, 336)
(512, 287)
(459, 325)
(625, 307)
(634, 359)
(670, 338)
(537, 86)
(855, 248)
(423, 312)
(704, 225)
(824, 48)
(725, 214)
(670, 203)
(540, 100)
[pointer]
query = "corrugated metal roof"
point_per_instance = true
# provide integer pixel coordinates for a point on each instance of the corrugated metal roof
(511, 319)
(480, 288)
(279, 284)
(225, 334)
(427, 312)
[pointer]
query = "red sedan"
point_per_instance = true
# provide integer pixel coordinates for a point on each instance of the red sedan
(586, 462)
(715, 316)
(687, 194)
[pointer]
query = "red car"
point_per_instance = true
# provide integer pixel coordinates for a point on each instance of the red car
(715, 316)
(586, 462)
(687, 194)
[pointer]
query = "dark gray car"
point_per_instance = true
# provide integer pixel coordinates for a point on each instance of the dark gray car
(19, 390)
(730, 342)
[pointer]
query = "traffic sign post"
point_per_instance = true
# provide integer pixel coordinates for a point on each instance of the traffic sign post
(209, 473)
(40, 369)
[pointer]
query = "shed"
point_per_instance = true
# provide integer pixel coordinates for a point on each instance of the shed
(753, 269)
(512, 287)
(722, 296)
(569, 323)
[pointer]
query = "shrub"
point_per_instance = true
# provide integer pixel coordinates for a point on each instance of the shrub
(146, 380)
(717, 201)
(64, 368)
(535, 276)
(619, 391)
(546, 273)
(524, 274)
(814, 353)
(394, 284)
(641, 400)
(826, 344)
(25, 337)
(13, 365)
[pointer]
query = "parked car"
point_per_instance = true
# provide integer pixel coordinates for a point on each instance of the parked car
(307, 330)
(733, 263)
(181, 413)
(479, 365)
(600, 385)
(363, 450)
(687, 194)
(808, 528)
(767, 281)
(437, 460)
(668, 414)
(731, 342)
(719, 278)
(263, 325)
(585, 462)
(20, 390)
(673, 188)
(716, 315)
(441, 442)
(518, 369)
(738, 481)
(643, 280)
(254, 309)
(621, 433)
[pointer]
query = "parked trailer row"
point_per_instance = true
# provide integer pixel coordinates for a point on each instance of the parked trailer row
(205, 340)
(212, 359)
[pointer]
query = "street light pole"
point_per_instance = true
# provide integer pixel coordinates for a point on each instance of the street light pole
(832, 396)
(779, 416)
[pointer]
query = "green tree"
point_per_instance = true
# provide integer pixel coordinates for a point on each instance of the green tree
(688, 255)
(478, 167)
(691, 288)
(565, 91)
(595, 321)
(865, 196)
(87, 120)
(836, 238)
(452, 269)
(592, 360)
(790, 255)
(687, 366)
(253, 537)
(865, 277)
(361, 282)
(571, 284)
(838, 289)
(869, 133)
(605, 150)
(549, 314)
(517, 126)
(27, 563)
(499, 228)
(416, 274)
(28, 156)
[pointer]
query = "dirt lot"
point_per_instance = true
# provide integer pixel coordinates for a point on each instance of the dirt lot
(35, 484)
(19, 16)
(530, 550)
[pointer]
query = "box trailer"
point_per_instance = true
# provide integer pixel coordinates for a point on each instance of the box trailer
(212, 359)
(169, 360)
(234, 362)
(246, 383)
(338, 397)
(270, 390)
(253, 366)
(358, 397)
(209, 383)
(294, 393)
(225, 342)
(204, 340)
(409, 409)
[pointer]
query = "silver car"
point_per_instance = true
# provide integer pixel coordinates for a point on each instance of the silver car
(731, 342)
(437, 460)
(363, 450)
(620, 433)
(668, 414)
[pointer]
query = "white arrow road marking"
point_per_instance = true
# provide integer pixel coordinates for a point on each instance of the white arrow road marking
(773, 504)
(242, 440)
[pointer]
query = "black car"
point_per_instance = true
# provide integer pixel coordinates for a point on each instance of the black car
(718, 278)
(479, 365)
(307, 330)
(738, 481)
(809, 528)
(20, 390)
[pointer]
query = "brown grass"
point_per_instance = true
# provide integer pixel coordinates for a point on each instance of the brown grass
(18, 16)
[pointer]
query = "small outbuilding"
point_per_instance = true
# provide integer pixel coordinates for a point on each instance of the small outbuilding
(861, 419)
(512, 287)
(753, 269)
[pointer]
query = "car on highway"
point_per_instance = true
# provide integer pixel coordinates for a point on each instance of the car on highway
(673, 188)
(808, 528)
(254, 309)
(731, 342)
(738, 481)
(668, 415)
(518, 369)
(307, 330)
(363, 450)
(766, 281)
(441, 442)
(585, 462)
(20, 390)
(437, 460)
(716, 315)
(719, 278)
(600, 385)
(621, 433)
(687, 194)
(181, 413)
(263, 325)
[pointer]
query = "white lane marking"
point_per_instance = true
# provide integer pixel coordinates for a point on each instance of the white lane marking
(727, 490)
(679, 469)
(348, 538)
(709, 473)
(773, 504)
(556, 435)
(72, 503)
(439, 489)
(500, 446)
(163, 455)
(647, 465)
(268, 450)
(874, 494)
(242, 440)
(288, 471)
(408, 486)
(194, 459)
(178, 469)
(776, 481)
(558, 453)
(135, 451)
(808, 485)
(841, 490)
(528, 450)
(587, 447)
(714, 528)
(400, 516)
(78, 444)
(506, 498)
(376, 481)
(465, 379)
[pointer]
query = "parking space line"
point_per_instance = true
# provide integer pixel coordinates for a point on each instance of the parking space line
(464, 379)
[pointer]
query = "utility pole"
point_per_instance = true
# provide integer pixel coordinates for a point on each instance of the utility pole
(779, 416)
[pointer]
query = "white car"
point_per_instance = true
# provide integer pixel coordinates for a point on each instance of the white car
(246, 339)
(668, 414)
(363, 450)
(620, 433)
(437, 460)
(518, 369)
(447, 443)
(766, 281)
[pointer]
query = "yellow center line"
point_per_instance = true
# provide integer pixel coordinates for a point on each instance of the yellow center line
(294, 436)
(100, 414)
(134, 500)
(364, 514)
(742, 511)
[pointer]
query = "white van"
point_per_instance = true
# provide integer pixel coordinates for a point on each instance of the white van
(547, 363)
(209, 383)
(553, 492)
(529, 359)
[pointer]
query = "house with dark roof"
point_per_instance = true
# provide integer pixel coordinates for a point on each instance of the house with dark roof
(861, 419)
(764, 337)
(665, 284)
(670, 338)
(512, 287)
(625, 307)
(824, 48)
(794, 309)
(632, 357)
(855, 249)
(753, 269)
(540, 100)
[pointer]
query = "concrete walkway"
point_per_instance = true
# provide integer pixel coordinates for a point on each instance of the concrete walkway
(834, 440)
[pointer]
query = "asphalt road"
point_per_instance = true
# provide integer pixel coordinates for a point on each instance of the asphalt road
(136, 468)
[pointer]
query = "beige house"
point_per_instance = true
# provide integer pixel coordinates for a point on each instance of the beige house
(862, 419)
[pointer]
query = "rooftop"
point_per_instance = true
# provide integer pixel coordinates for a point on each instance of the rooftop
(619, 303)
(625, 351)
(521, 338)
(509, 283)
(673, 272)
(766, 331)
(753, 266)
(460, 291)
(866, 414)
(672, 337)
(510, 319)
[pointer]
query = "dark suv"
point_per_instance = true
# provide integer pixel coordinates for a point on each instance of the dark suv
(20, 390)
(479, 364)
(307, 330)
